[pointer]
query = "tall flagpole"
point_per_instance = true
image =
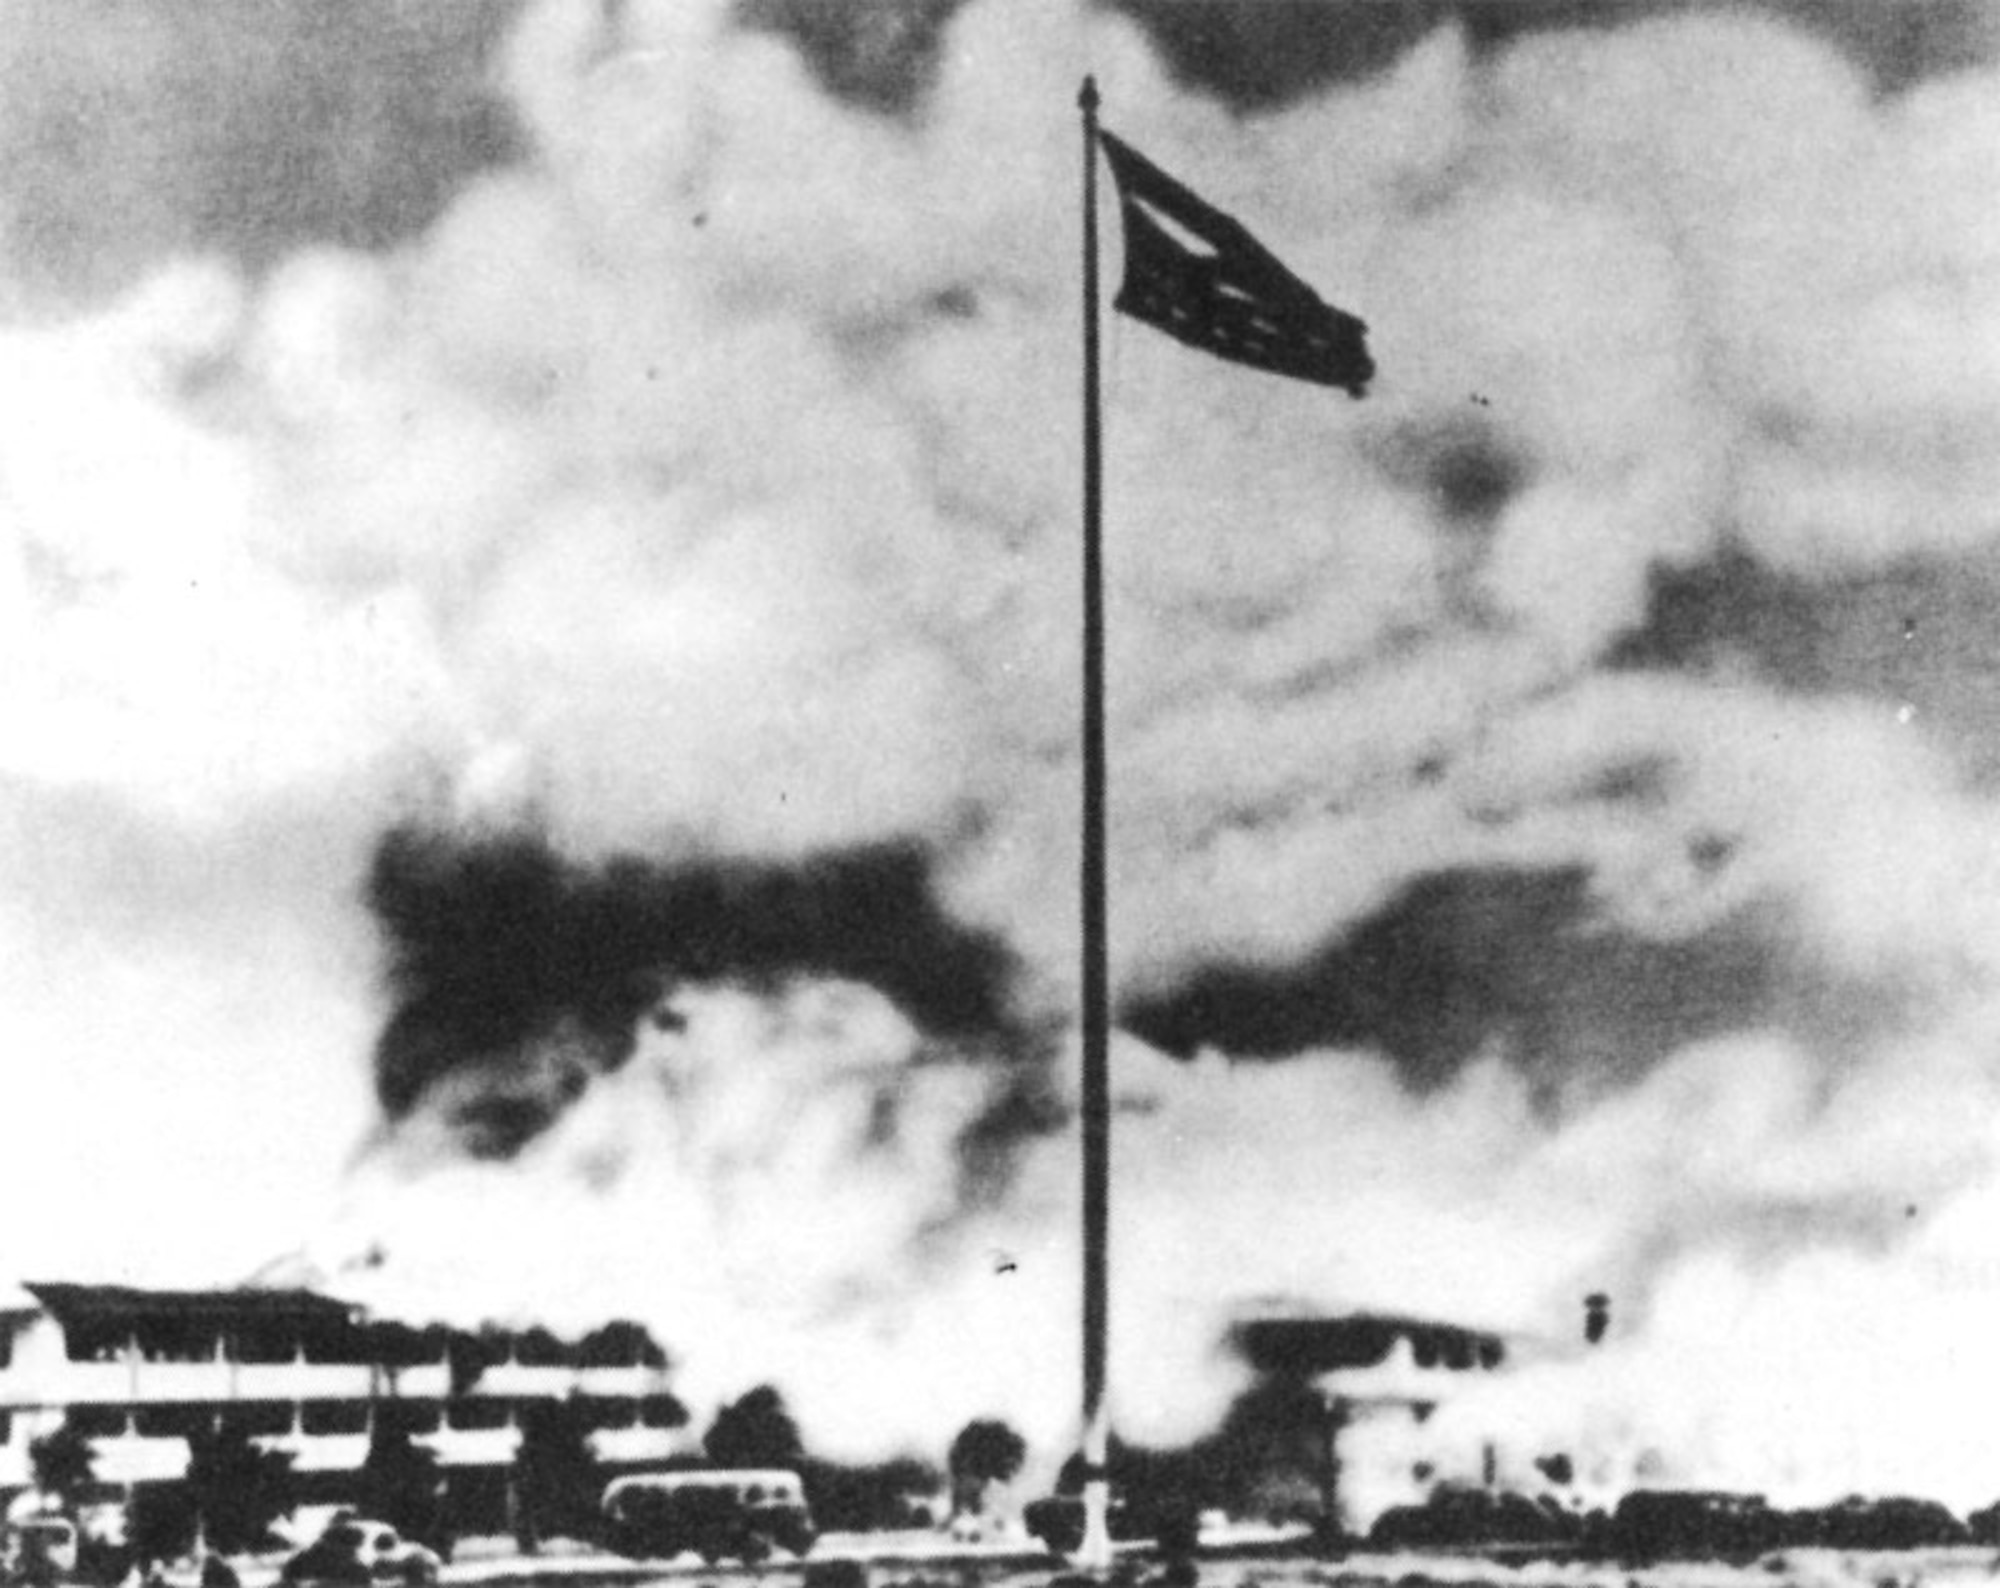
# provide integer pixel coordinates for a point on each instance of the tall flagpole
(1094, 1554)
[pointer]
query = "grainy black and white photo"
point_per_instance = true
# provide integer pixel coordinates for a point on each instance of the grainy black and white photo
(930, 793)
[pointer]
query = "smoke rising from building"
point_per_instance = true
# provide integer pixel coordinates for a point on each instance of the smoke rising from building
(509, 963)
(1552, 801)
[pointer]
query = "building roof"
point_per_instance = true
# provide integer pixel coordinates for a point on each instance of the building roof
(1308, 1347)
(114, 1303)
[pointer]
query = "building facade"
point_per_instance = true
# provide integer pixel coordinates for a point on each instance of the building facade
(140, 1372)
(1377, 1380)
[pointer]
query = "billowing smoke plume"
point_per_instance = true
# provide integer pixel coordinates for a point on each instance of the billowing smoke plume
(1552, 807)
(521, 979)
(134, 132)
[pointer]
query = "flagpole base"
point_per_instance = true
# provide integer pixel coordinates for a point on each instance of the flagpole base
(1093, 1554)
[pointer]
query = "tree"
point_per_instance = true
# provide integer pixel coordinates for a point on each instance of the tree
(620, 1343)
(400, 1483)
(161, 1524)
(239, 1488)
(755, 1431)
(986, 1451)
(1276, 1453)
(867, 1499)
(556, 1479)
(63, 1463)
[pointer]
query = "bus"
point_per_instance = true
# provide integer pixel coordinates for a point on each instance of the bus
(716, 1514)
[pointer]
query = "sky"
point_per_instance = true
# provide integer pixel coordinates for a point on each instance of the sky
(538, 614)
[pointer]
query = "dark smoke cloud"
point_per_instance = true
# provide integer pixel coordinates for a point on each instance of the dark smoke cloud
(1259, 56)
(1464, 964)
(880, 53)
(1264, 54)
(519, 975)
(1917, 633)
(1467, 467)
(132, 130)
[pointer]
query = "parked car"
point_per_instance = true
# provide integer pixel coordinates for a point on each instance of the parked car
(1478, 1519)
(716, 1513)
(1887, 1522)
(356, 1550)
(1690, 1524)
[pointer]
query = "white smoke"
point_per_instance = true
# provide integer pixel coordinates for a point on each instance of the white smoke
(705, 483)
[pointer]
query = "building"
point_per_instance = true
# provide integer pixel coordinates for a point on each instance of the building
(1375, 1381)
(139, 1372)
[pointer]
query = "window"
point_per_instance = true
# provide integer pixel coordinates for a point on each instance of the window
(164, 1338)
(398, 1345)
(98, 1422)
(342, 1343)
(604, 1411)
(6, 1428)
(175, 1420)
(333, 1417)
(408, 1417)
(263, 1342)
(472, 1416)
(259, 1419)
(87, 1340)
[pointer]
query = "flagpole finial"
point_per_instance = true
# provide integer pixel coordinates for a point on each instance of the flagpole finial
(1087, 98)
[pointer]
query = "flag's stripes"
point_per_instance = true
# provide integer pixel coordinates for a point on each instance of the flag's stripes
(1200, 276)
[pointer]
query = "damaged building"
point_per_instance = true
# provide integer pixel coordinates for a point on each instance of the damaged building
(1375, 1380)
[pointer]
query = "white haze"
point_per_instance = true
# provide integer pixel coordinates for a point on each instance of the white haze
(707, 483)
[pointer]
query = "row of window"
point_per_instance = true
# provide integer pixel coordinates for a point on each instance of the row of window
(169, 1339)
(1457, 1354)
(275, 1419)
